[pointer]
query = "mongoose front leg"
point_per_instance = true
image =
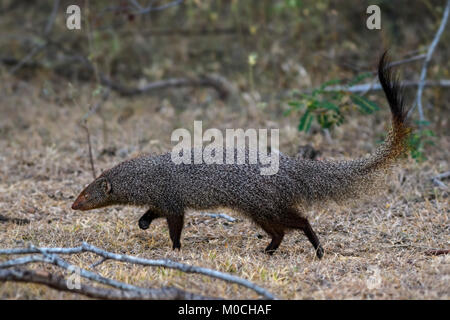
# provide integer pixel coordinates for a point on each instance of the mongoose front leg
(147, 218)
(277, 235)
(175, 227)
(275, 243)
(312, 237)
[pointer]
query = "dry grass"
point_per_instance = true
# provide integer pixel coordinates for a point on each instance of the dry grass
(44, 164)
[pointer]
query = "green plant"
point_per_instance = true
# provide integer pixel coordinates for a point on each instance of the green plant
(328, 106)
(419, 139)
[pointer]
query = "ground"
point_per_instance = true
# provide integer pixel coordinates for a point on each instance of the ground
(373, 250)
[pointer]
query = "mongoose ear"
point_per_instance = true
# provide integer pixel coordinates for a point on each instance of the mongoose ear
(106, 186)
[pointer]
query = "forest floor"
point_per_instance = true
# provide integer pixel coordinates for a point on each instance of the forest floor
(376, 249)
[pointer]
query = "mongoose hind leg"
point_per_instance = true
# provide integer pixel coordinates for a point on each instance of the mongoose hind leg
(277, 234)
(175, 223)
(147, 218)
(312, 237)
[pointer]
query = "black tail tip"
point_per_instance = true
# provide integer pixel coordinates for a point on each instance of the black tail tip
(392, 89)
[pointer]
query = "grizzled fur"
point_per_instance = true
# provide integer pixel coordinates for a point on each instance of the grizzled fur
(274, 202)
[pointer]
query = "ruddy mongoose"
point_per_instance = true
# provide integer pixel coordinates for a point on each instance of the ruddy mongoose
(276, 203)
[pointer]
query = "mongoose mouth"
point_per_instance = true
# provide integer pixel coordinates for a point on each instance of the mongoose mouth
(80, 203)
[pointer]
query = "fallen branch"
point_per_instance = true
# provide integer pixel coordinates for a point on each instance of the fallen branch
(18, 221)
(437, 252)
(216, 82)
(223, 87)
(60, 283)
(443, 175)
(437, 179)
(219, 83)
(49, 256)
(219, 215)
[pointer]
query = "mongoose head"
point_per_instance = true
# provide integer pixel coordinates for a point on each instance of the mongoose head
(98, 194)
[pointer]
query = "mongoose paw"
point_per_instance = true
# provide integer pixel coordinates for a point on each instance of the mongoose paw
(269, 251)
(144, 224)
(319, 252)
(176, 246)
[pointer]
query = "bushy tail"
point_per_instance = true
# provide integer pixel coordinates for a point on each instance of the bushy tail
(396, 142)
(342, 180)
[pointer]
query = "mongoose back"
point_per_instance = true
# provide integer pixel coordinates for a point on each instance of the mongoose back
(276, 203)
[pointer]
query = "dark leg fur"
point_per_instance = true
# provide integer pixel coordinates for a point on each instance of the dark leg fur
(312, 237)
(147, 218)
(275, 243)
(277, 234)
(175, 227)
(295, 220)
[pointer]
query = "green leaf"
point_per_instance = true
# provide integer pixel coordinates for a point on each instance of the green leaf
(295, 104)
(365, 105)
(428, 133)
(321, 89)
(330, 106)
(329, 83)
(305, 121)
(324, 122)
(423, 123)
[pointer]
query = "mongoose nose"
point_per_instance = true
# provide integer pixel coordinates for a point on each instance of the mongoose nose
(77, 205)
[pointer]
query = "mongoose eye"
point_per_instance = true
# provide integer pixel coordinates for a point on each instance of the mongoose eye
(106, 186)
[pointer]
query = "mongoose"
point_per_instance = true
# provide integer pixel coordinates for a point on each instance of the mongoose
(276, 203)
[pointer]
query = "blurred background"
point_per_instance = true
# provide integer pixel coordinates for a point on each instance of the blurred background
(253, 59)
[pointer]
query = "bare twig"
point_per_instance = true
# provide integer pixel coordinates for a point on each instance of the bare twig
(96, 106)
(59, 283)
(96, 264)
(49, 257)
(437, 252)
(443, 175)
(390, 65)
(197, 32)
(218, 83)
(407, 60)
(125, 290)
(150, 8)
(437, 179)
(38, 48)
(28, 57)
(223, 87)
(52, 17)
(91, 158)
(376, 86)
(84, 125)
(430, 51)
(439, 183)
(219, 215)
(18, 221)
